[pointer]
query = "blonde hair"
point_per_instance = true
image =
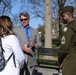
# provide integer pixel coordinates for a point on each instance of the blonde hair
(5, 26)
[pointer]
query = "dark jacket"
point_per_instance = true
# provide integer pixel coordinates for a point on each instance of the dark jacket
(67, 52)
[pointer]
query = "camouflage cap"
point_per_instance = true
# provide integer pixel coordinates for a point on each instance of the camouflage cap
(67, 9)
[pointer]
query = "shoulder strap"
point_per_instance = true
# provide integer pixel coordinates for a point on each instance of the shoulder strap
(9, 56)
(13, 58)
(1, 45)
(73, 30)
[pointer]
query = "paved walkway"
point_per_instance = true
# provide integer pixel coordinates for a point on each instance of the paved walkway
(47, 71)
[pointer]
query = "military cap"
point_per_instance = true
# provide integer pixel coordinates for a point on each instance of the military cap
(67, 9)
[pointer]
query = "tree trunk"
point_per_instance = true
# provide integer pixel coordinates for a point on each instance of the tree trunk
(48, 28)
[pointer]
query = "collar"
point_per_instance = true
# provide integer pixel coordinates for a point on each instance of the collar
(28, 27)
(70, 20)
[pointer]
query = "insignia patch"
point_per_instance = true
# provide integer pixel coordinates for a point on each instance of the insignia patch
(63, 40)
(65, 29)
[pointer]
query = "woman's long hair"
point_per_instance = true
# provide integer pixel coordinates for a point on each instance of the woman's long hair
(5, 26)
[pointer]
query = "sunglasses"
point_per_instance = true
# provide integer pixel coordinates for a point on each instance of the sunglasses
(25, 19)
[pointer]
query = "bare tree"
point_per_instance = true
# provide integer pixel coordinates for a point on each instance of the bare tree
(16, 20)
(34, 7)
(5, 7)
(48, 22)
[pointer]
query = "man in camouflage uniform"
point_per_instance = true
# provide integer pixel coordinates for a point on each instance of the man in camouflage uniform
(67, 52)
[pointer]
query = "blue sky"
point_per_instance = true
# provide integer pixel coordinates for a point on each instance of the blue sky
(34, 22)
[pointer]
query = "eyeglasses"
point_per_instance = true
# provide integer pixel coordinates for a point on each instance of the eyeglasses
(25, 19)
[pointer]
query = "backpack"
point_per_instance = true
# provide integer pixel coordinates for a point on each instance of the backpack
(3, 62)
